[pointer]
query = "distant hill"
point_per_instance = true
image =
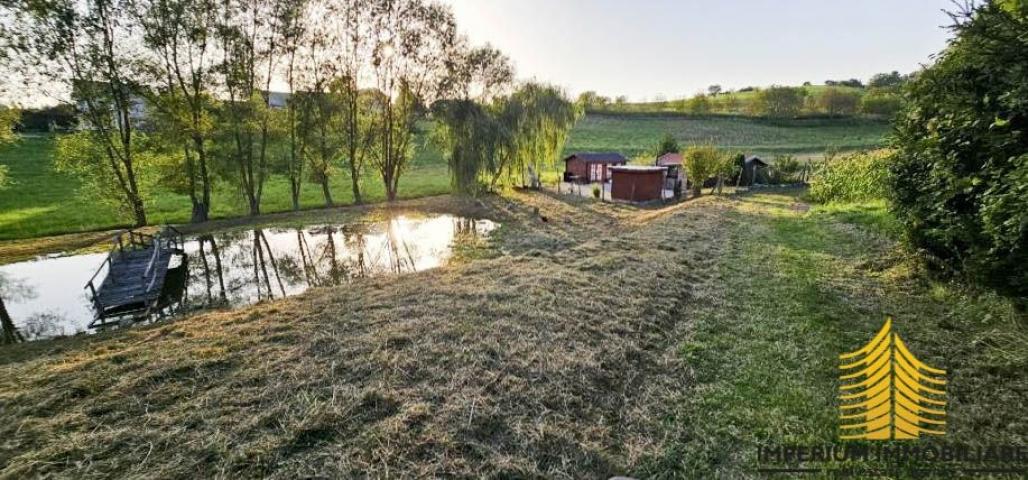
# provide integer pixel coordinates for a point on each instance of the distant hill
(809, 101)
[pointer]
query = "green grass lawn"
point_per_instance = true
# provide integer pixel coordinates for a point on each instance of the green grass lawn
(635, 134)
(793, 290)
(43, 202)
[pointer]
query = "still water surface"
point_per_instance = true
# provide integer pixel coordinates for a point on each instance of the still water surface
(46, 296)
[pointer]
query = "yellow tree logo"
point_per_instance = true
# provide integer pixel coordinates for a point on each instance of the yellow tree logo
(887, 393)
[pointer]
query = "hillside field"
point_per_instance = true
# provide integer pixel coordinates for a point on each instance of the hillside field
(634, 134)
(43, 202)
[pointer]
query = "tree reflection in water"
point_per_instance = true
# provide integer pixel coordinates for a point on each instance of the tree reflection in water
(205, 243)
(18, 290)
(238, 267)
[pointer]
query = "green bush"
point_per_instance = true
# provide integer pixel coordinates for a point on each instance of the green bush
(779, 102)
(851, 178)
(881, 103)
(698, 105)
(700, 163)
(836, 101)
(668, 144)
(786, 169)
(960, 178)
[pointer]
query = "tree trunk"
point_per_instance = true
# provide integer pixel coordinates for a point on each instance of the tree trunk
(255, 205)
(328, 192)
(355, 182)
(138, 211)
(391, 189)
(202, 207)
(294, 191)
(201, 211)
(10, 332)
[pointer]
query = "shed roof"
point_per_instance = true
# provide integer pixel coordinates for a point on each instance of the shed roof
(598, 157)
(637, 169)
(670, 159)
(757, 160)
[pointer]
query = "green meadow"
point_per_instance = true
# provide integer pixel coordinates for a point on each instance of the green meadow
(42, 201)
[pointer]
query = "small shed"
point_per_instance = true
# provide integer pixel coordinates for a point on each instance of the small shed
(675, 173)
(753, 171)
(634, 183)
(591, 167)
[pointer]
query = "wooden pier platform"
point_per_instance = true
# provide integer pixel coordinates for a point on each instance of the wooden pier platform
(136, 269)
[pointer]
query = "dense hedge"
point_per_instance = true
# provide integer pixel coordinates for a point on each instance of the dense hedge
(851, 178)
(960, 177)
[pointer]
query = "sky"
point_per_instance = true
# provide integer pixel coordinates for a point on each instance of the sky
(649, 49)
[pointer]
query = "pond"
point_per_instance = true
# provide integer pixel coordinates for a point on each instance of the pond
(46, 296)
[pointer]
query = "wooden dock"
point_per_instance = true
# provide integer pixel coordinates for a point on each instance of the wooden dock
(136, 268)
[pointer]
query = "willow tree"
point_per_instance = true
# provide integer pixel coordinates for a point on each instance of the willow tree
(540, 118)
(468, 128)
(295, 34)
(498, 143)
(471, 136)
(354, 41)
(319, 109)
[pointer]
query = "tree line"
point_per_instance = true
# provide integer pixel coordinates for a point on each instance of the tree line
(181, 94)
(881, 97)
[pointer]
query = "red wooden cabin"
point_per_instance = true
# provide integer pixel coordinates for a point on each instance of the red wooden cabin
(591, 167)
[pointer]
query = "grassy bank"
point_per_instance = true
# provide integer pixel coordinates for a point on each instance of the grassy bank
(605, 340)
(44, 202)
(100, 241)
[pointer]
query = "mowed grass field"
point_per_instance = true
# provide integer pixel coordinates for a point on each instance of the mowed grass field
(44, 202)
(656, 343)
